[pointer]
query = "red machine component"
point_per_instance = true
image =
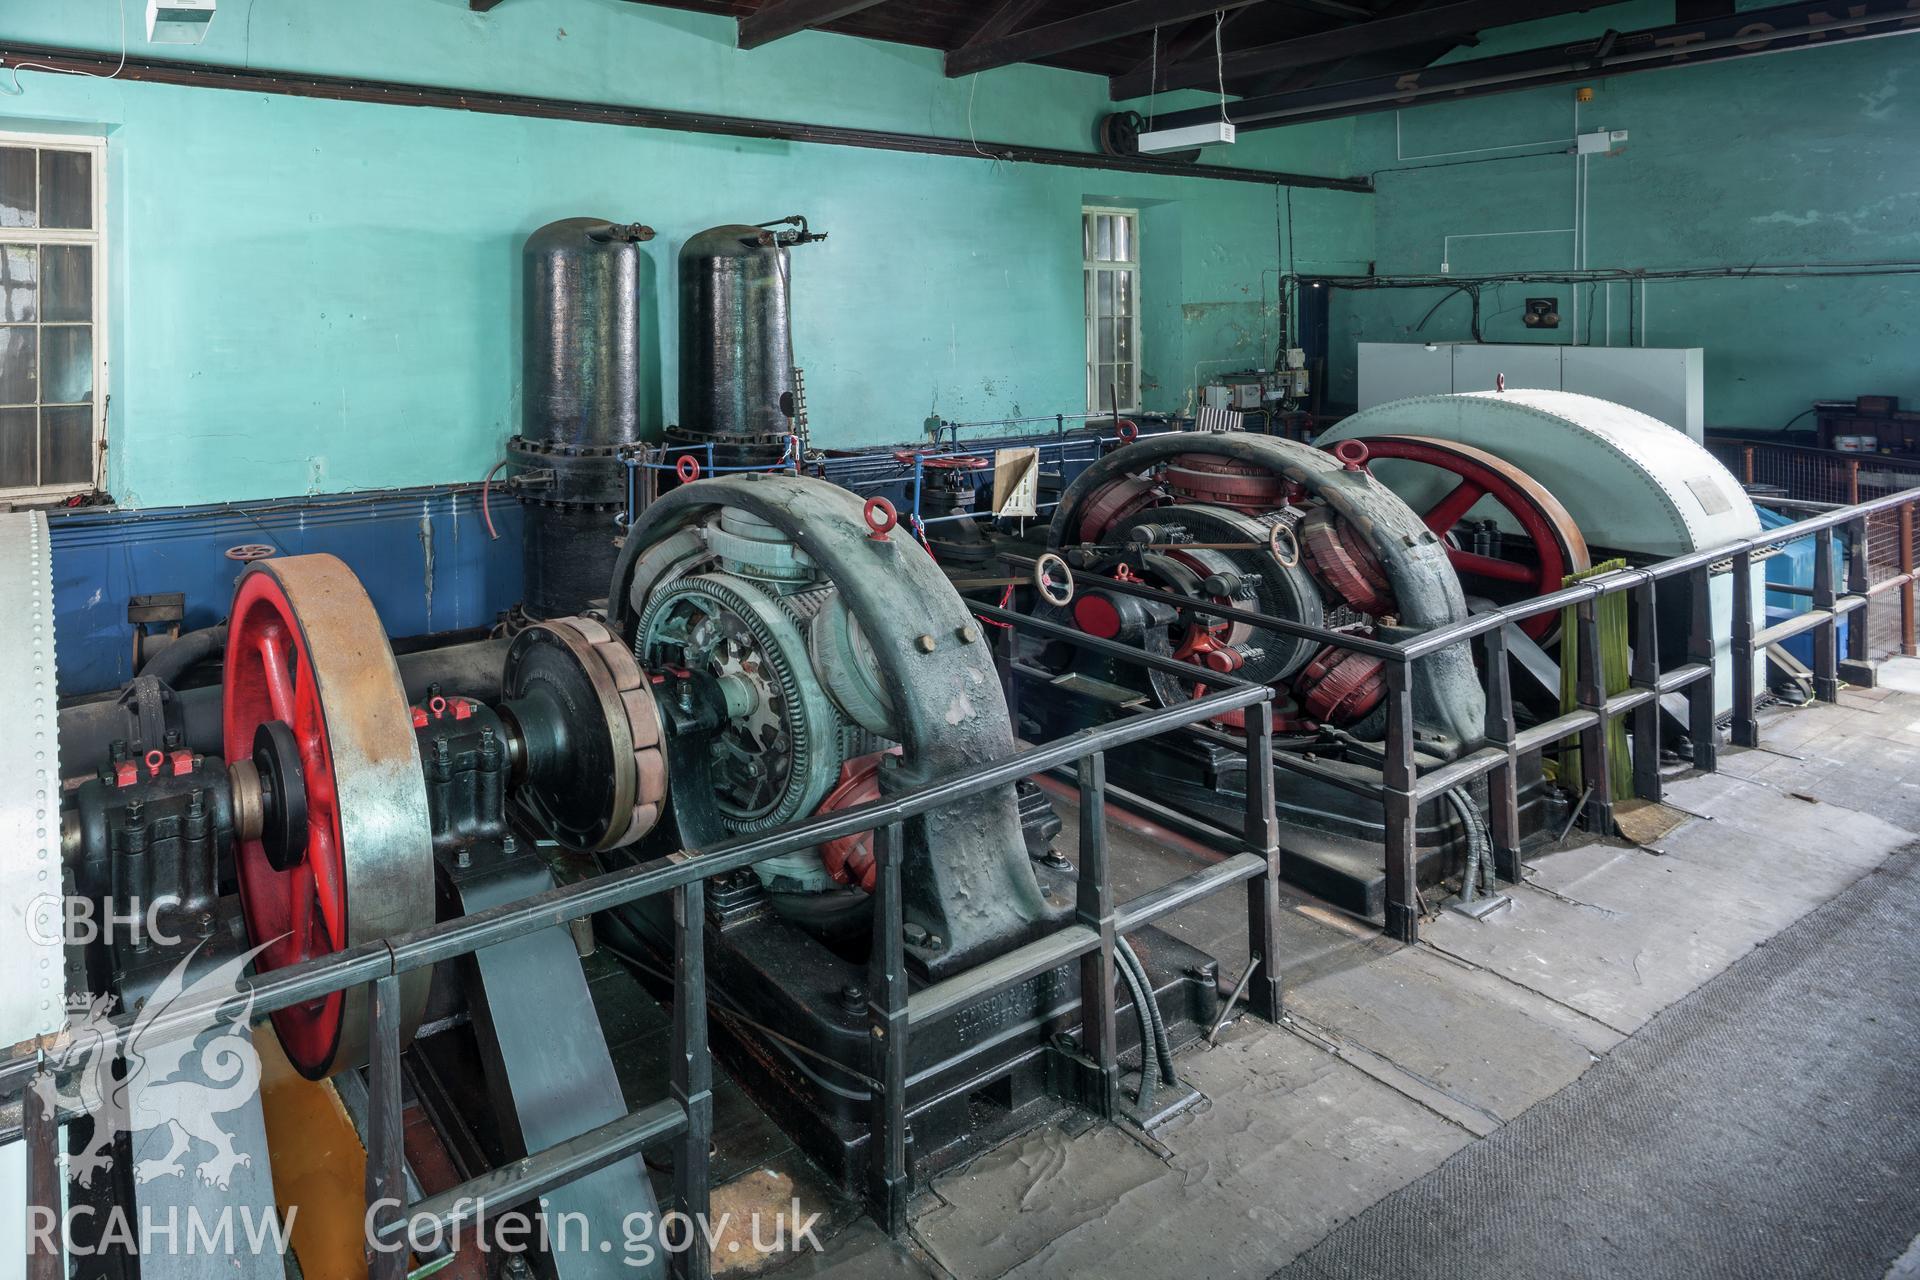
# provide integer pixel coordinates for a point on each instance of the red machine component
(1346, 563)
(880, 517)
(849, 860)
(1212, 648)
(1558, 549)
(1340, 686)
(1227, 482)
(270, 676)
(313, 699)
(1096, 615)
(1114, 503)
(1204, 649)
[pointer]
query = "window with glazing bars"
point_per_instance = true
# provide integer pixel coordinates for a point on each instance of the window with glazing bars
(1111, 241)
(52, 349)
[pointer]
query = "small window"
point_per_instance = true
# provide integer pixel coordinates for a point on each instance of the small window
(52, 353)
(1111, 252)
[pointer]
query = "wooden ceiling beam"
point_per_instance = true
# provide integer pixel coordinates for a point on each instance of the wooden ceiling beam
(1006, 19)
(1068, 34)
(1447, 21)
(783, 18)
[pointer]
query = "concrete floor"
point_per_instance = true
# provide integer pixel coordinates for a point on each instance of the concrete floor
(1394, 1058)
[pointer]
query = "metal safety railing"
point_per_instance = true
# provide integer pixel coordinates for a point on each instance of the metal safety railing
(685, 1116)
(1406, 784)
(1830, 477)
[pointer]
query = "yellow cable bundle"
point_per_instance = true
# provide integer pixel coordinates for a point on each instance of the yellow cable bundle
(1615, 677)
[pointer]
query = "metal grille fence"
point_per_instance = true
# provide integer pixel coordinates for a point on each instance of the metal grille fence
(1830, 478)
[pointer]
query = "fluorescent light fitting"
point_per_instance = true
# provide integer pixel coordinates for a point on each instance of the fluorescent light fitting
(1195, 135)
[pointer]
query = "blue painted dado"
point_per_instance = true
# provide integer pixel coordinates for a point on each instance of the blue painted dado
(424, 556)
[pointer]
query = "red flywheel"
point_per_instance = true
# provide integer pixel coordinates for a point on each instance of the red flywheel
(335, 848)
(1557, 547)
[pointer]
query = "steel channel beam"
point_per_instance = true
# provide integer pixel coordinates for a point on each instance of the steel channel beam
(943, 999)
(1436, 782)
(1778, 29)
(1218, 839)
(1548, 732)
(475, 1201)
(396, 93)
(1151, 906)
(1800, 623)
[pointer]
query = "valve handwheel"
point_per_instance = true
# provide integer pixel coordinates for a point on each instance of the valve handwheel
(1558, 547)
(311, 681)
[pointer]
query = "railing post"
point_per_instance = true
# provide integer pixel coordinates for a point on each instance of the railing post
(1099, 1034)
(1646, 676)
(1590, 694)
(1747, 465)
(386, 1156)
(1853, 482)
(1907, 646)
(1007, 651)
(887, 1030)
(1503, 783)
(1857, 663)
(1826, 650)
(1746, 729)
(1403, 893)
(46, 1235)
(1263, 891)
(691, 1083)
(1702, 649)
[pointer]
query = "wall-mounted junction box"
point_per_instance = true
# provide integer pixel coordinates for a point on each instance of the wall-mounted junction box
(1601, 140)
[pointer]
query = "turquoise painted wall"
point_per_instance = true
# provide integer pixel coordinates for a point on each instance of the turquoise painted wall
(314, 296)
(1805, 157)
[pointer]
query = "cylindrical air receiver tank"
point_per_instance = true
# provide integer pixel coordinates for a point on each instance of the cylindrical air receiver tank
(580, 397)
(736, 345)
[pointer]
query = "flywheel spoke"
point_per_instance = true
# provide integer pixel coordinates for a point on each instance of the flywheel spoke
(273, 664)
(1488, 567)
(330, 894)
(300, 895)
(1447, 512)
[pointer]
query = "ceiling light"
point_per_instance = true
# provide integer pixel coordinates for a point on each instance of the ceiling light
(1210, 134)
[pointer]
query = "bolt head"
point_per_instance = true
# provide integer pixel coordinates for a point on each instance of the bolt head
(926, 644)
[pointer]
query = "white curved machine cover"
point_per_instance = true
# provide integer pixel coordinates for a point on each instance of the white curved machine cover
(33, 1001)
(1633, 484)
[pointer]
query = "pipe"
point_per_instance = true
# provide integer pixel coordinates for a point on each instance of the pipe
(1477, 842)
(182, 655)
(1142, 1002)
(1162, 1048)
(88, 730)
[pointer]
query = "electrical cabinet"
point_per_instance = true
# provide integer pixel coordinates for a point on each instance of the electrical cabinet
(1665, 383)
